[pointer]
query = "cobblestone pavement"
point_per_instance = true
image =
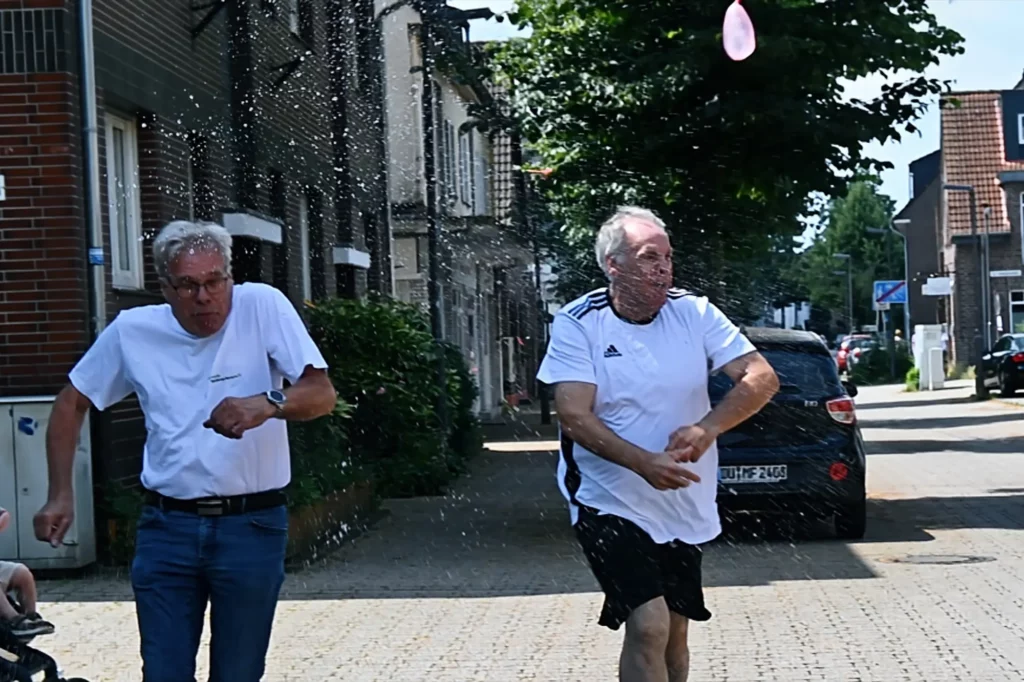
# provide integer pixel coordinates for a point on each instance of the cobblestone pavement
(487, 584)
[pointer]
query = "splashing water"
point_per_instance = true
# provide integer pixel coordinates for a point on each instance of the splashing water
(738, 33)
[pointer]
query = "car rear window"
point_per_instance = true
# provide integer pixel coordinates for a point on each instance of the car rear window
(805, 374)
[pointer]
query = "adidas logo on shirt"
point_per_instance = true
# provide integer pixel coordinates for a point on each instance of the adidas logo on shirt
(612, 352)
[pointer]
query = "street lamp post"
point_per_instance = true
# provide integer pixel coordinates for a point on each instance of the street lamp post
(979, 375)
(905, 224)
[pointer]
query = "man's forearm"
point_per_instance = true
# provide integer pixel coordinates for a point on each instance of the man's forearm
(62, 433)
(312, 396)
(745, 399)
(591, 433)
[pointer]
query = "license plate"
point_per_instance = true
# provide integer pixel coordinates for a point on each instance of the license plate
(760, 473)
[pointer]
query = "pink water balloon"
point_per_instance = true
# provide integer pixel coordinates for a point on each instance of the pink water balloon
(738, 33)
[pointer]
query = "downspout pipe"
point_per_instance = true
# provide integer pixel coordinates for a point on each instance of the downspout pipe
(91, 137)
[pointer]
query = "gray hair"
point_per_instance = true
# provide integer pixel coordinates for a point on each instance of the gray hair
(612, 236)
(180, 235)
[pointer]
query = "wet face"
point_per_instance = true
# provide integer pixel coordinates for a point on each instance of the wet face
(643, 271)
(199, 291)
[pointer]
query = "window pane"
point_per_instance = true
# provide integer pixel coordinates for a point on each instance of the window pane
(307, 279)
(121, 189)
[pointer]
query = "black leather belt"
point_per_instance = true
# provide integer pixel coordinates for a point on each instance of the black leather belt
(218, 506)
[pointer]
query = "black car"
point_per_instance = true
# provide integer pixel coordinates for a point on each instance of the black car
(803, 452)
(1003, 366)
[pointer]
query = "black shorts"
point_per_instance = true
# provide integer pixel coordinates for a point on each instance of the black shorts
(632, 569)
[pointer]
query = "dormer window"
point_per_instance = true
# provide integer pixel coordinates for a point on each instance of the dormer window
(1020, 128)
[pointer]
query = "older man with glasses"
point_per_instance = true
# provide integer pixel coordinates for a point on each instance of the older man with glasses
(208, 368)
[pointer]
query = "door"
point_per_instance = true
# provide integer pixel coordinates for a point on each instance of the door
(29, 423)
(8, 486)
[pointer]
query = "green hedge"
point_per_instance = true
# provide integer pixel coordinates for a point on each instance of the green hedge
(385, 366)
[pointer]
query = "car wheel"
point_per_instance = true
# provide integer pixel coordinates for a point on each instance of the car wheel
(852, 520)
(1006, 389)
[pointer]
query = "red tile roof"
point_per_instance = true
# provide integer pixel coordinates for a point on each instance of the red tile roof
(973, 153)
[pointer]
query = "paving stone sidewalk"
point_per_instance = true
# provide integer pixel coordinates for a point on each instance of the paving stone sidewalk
(487, 584)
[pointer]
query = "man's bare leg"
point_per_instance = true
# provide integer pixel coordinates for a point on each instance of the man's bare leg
(25, 585)
(7, 612)
(677, 654)
(645, 643)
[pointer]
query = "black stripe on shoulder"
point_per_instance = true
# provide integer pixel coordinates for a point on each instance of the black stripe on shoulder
(591, 308)
(599, 297)
(679, 293)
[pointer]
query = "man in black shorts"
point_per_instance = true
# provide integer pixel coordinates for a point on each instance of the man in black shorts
(639, 464)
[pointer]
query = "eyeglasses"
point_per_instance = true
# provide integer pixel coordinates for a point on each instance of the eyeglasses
(189, 289)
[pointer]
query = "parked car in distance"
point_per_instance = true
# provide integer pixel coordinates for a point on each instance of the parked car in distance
(1003, 366)
(803, 452)
(850, 347)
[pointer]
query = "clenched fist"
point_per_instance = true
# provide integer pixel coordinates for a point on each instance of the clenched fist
(693, 440)
(234, 416)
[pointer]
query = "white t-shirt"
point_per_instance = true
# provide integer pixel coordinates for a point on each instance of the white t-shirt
(180, 378)
(651, 379)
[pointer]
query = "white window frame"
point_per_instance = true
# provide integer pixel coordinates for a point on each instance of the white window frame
(132, 276)
(293, 17)
(1020, 128)
(465, 168)
(190, 187)
(307, 274)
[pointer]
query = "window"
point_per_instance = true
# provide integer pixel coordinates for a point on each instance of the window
(294, 25)
(201, 199)
(448, 162)
(302, 24)
(279, 210)
(1016, 312)
(307, 273)
(810, 375)
(466, 180)
(190, 188)
(1020, 128)
(124, 211)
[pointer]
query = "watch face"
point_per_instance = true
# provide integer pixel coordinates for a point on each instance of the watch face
(276, 396)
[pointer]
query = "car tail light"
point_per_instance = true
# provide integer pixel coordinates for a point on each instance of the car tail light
(1018, 358)
(842, 410)
(838, 471)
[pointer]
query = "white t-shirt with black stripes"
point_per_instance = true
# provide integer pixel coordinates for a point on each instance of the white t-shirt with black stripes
(651, 378)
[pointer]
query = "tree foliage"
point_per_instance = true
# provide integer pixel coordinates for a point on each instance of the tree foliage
(636, 102)
(847, 230)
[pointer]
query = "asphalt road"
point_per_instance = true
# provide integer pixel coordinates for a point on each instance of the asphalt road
(487, 584)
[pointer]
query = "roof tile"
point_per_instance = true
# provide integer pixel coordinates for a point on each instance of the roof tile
(973, 154)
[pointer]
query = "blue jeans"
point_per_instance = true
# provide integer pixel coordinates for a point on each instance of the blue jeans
(182, 561)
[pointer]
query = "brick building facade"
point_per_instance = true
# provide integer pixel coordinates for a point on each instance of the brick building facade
(264, 115)
(982, 148)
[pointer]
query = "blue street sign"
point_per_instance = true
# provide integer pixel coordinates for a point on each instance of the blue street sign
(890, 291)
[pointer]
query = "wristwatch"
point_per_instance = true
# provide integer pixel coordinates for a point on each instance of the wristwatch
(278, 399)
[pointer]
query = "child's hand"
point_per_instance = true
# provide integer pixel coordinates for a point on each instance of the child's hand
(5, 520)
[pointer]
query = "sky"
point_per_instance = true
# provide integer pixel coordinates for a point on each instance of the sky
(992, 33)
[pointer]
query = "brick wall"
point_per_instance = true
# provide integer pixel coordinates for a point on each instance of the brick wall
(1004, 254)
(43, 299)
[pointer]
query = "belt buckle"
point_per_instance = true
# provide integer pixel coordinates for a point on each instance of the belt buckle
(212, 507)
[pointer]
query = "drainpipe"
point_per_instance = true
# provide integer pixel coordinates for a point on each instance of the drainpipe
(93, 212)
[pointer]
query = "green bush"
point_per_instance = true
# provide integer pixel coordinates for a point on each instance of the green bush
(874, 369)
(385, 363)
(322, 460)
(465, 438)
(913, 379)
